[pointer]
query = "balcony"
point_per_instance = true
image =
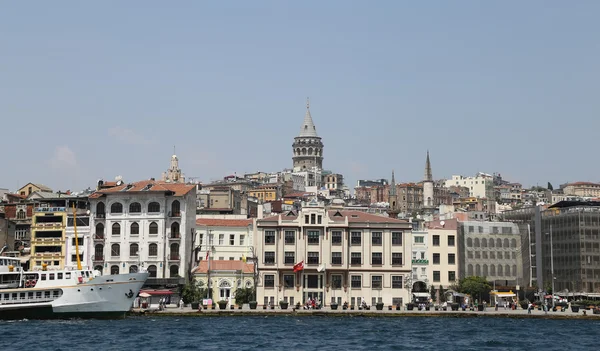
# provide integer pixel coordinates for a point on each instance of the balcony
(420, 261)
(174, 214)
(98, 258)
(100, 215)
(49, 209)
(47, 241)
(174, 236)
(174, 257)
(99, 237)
(50, 225)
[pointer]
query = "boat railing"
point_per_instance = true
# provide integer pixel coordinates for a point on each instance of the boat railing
(27, 300)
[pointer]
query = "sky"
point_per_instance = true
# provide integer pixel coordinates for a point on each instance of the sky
(93, 90)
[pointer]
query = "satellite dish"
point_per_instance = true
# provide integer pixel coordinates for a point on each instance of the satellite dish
(87, 212)
(321, 268)
(442, 223)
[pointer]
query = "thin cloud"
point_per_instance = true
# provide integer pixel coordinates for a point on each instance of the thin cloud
(127, 136)
(63, 158)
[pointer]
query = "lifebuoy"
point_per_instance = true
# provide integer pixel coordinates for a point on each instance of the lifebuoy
(33, 282)
(28, 284)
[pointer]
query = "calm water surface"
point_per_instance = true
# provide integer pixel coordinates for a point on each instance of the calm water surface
(301, 333)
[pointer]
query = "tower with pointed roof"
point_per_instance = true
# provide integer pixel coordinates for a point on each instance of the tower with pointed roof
(307, 146)
(393, 208)
(173, 174)
(428, 203)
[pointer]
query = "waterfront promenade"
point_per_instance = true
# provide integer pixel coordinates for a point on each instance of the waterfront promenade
(489, 312)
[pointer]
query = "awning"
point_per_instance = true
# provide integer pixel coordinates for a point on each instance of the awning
(421, 294)
(156, 292)
(144, 294)
(24, 259)
(505, 294)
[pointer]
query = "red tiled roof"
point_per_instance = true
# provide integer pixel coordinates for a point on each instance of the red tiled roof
(224, 265)
(210, 222)
(179, 189)
(583, 183)
(298, 194)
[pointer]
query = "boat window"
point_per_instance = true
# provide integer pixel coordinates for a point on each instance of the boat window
(55, 293)
(22, 296)
(43, 276)
(14, 296)
(68, 275)
(6, 296)
(30, 295)
(59, 275)
(87, 274)
(2, 263)
(51, 276)
(38, 294)
(47, 294)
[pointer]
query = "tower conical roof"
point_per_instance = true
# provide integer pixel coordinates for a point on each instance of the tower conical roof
(308, 127)
(393, 185)
(428, 175)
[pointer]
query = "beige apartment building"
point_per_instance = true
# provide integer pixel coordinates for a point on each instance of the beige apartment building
(442, 253)
(348, 255)
(583, 189)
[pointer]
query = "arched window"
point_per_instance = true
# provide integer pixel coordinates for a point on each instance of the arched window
(470, 270)
(506, 243)
(153, 207)
(174, 271)
(469, 242)
(114, 269)
(175, 230)
(100, 209)
(514, 270)
(99, 231)
(175, 208)
(115, 250)
(492, 270)
(174, 252)
(116, 229)
(153, 228)
(498, 242)
(133, 269)
(513, 243)
(152, 271)
(152, 250)
(98, 268)
(135, 207)
(98, 252)
(134, 249)
(492, 243)
(476, 242)
(500, 274)
(507, 270)
(483, 243)
(485, 270)
(21, 214)
(478, 270)
(134, 229)
(116, 208)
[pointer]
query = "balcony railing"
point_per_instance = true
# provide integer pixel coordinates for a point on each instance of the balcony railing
(101, 215)
(174, 257)
(97, 258)
(174, 214)
(420, 261)
(99, 237)
(174, 236)
(49, 209)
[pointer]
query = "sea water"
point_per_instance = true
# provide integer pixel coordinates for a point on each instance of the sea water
(301, 333)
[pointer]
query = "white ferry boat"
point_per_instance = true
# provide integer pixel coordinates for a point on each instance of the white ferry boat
(81, 293)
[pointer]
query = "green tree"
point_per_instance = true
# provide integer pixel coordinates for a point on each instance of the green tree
(550, 187)
(432, 293)
(245, 295)
(442, 294)
(192, 292)
(474, 286)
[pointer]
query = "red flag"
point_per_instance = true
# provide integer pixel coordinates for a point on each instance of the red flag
(299, 266)
(207, 254)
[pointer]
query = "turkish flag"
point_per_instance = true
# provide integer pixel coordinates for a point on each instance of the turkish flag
(207, 254)
(299, 266)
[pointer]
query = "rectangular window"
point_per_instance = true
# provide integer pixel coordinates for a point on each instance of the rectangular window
(289, 257)
(336, 237)
(242, 240)
(355, 238)
(313, 258)
(336, 281)
(396, 258)
(396, 282)
(319, 219)
(313, 236)
(436, 276)
(79, 241)
(471, 229)
(397, 238)
(419, 239)
(436, 240)
(269, 237)
(231, 239)
(355, 258)
(269, 281)
(336, 258)
(306, 221)
(451, 276)
(269, 257)
(436, 258)
(376, 258)
(376, 282)
(451, 258)
(313, 218)
(290, 237)
(288, 281)
(450, 240)
(376, 238)
(221, 239)
(356, 281)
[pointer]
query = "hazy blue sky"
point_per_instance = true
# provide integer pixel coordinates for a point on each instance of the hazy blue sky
(92, 90)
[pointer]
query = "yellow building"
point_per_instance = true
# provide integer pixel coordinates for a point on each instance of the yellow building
(225, 277)
(31, 188)
(266, 193)
(48, 236)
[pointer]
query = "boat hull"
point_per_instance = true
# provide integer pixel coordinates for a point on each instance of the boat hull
(104, 297)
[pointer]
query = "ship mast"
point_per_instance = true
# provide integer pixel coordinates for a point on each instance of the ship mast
(76, 240)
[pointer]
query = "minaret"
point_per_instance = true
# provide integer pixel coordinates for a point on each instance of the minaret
(393, 199)
(428, 203)
(173, 174)
(307, 146)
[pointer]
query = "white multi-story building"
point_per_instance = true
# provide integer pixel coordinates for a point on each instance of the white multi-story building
(147, 225)
(84, 240)
(225, 238)
(481, 186)
(348, 255)
(442, 253)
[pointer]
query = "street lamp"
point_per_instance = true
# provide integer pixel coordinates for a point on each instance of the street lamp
(552, 265)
